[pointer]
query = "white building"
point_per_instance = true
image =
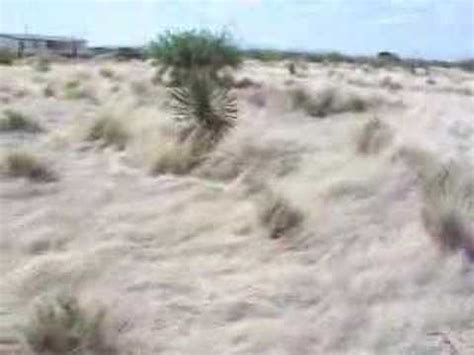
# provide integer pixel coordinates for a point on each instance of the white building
(27, 44)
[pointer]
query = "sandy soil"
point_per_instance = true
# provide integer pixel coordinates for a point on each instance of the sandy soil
(183, 265)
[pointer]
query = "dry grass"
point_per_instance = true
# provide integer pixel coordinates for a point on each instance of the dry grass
(17, 121)
(177, 156)
(110, 131)
(278, 215)
(325, 102)
(23, 164)
(354, 271)
(245, 153)
(59, 325)
(107, 73)
(41, 64)
(448, 206)
(373, 137)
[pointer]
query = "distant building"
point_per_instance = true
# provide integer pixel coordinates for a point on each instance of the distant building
(27, 44)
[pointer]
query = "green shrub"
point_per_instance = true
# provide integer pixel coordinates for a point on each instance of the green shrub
(60, 326)
(6, 57)
(23, 164)
(189, 50)
(17, 121)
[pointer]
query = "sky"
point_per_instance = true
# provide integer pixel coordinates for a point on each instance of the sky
(434, 29)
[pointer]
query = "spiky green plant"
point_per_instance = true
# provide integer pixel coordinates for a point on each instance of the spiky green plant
(187, 51)
(195, 49)
(209, 107)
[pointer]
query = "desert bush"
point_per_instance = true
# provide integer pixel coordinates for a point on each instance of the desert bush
(292, 68)
(325, 102)
(190, 50)
(373, 136)
(107, 73)
(24, 164)
(59, 325)
(278, 216)
(448, 206)
(139, 88)
(48, 91)
(6, 57)
(110, 131)
(206, 105)
(389, 83)
(74, 90)
(245, 154)
(17, 121)
(177, 157)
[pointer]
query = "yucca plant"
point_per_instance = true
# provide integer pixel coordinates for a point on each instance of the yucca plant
(209, 107)
(184, 52)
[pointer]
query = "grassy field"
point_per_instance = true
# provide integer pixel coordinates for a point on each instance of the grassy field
(336, 217)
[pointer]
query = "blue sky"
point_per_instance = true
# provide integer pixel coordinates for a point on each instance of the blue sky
(442, 29)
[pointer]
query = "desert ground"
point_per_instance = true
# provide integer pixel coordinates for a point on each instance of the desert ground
(195, 261)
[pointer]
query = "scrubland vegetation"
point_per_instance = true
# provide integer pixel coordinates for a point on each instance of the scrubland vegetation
(207, 203)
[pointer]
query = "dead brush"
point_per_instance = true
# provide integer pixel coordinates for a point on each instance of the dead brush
(179, 156)
(373, 137)
(107, 73)
(448, 207)
(278, 215)
(17, 121)
(23, 164)
(109, 131)
(59, 325)
(326, 102)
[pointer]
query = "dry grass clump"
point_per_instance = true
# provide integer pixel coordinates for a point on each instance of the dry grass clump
(177, 157)
(48, 91)
(41, 64)
(448, 207)
(107, 73)
(373, 137)
(17, 121)
(326, 102)
(73, 90)
(59, 325)
(27, 165)
(278, 216)
(249, 154)
(109, 131)
(389, 83)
